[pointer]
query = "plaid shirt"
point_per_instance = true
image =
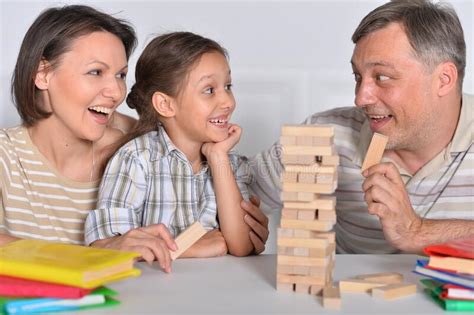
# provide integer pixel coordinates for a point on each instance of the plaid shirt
(149, 181)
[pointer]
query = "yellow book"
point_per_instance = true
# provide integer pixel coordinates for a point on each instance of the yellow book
(80, 266)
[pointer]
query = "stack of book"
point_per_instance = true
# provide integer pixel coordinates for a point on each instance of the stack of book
(39, 276)
(450, 269)
(306, 240)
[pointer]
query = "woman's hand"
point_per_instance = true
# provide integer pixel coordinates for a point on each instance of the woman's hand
(152, 242)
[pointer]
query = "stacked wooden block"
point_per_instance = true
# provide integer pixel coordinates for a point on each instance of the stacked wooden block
(306, 241)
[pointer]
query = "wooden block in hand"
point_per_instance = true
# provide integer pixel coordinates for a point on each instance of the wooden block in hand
(375, 151)
(394, 291)
(186, 239)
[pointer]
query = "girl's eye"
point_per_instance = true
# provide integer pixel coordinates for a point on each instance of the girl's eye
(209, 90)
(95, 72)
(228, 87)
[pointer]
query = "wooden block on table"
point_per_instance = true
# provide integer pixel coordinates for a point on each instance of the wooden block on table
(358, 286)
(375, 151)
(331, 298)
(302, 288)
(289, 213)
(307, 130)
(303, 261)
(301, 279)
(288, 287)
(306, 178)
(288, 140)
(383, 277)
(394, 291)
(313, 188)
(187, 238)
(322, 226)
(303, 242)
(306, 215)
(316, 290)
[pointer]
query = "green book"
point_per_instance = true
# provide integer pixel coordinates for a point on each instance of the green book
(434, 289)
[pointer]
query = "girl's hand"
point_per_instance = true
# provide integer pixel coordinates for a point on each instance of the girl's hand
(152, 242)
(209, 149)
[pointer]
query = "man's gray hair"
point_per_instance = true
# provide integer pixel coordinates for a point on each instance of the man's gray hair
(433, 30)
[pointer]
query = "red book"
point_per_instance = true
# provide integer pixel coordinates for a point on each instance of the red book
(461, 248)
(17, 287)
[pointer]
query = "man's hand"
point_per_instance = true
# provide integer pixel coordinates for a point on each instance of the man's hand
(388, 199)
(152, 242)
(212, 244)
(258, 223)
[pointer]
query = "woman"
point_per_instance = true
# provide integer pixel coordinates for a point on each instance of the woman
(68, 81)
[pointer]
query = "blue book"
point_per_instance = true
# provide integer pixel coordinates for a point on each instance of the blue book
(462, 279)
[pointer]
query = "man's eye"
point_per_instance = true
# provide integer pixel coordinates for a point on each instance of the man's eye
(381, 77)
(357, 77)
(209, 90)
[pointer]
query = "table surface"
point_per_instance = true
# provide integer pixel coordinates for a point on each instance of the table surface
(231, 285)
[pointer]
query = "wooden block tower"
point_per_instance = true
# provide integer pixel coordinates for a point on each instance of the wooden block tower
(306, 240)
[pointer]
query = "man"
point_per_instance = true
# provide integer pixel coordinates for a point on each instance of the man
(408, 63)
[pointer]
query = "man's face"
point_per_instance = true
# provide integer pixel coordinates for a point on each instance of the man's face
(394, 88)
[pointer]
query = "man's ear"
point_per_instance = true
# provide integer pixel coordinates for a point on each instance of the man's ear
(163, 104)
(447, 75)
(42, 78)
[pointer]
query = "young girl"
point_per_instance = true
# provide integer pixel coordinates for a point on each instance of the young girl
(179, 169)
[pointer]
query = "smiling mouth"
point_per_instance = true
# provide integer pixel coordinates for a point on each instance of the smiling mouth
(378, 118)
(100, 110)
(218, 122)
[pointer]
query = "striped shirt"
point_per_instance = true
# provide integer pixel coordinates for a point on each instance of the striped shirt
(442, 189)
(150, 181)
(36, 201)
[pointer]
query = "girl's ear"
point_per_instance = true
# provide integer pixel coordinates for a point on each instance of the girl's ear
(42, 75)
(163, 104)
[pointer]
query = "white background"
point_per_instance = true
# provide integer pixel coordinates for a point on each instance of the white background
(289, 59)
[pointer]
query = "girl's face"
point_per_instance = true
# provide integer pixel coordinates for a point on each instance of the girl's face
(86, 86)
(206, 102)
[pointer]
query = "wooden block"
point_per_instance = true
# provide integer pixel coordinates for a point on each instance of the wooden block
(307, 130)
(306, 215)
(306, 178)
(309, 150)
(302, 288)
(313, 188)
(288, 140)
(289, 177)
(322, 252)
(327, 215)
(303, 233)
(331, 298)
(384, 277)
(302, 261)
(324, 178)
(358, 286)
(330, 236)
(330, 160)
(293, 270)
(318, 141)
(305, 196)
(287, 287)
(314, 168)
(322, 226)
(375, 151)
(394, 291)
(303, 242)
(289, 159)
(304, 141)
(288, 196)
(285, 232)
(301, 251)
(300, 279)
(186, 239)
(323, 203)
(305, 159)
(282, 250)
(289, 213)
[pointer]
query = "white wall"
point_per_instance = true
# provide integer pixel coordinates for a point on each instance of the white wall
(289, 59)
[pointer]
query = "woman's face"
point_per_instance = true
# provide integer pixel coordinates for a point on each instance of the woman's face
(86, 86)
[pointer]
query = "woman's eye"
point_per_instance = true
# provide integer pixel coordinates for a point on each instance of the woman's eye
(95, 72)
(209, 90)
(122, 75)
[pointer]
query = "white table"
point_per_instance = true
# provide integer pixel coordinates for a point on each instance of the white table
(230, 285)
